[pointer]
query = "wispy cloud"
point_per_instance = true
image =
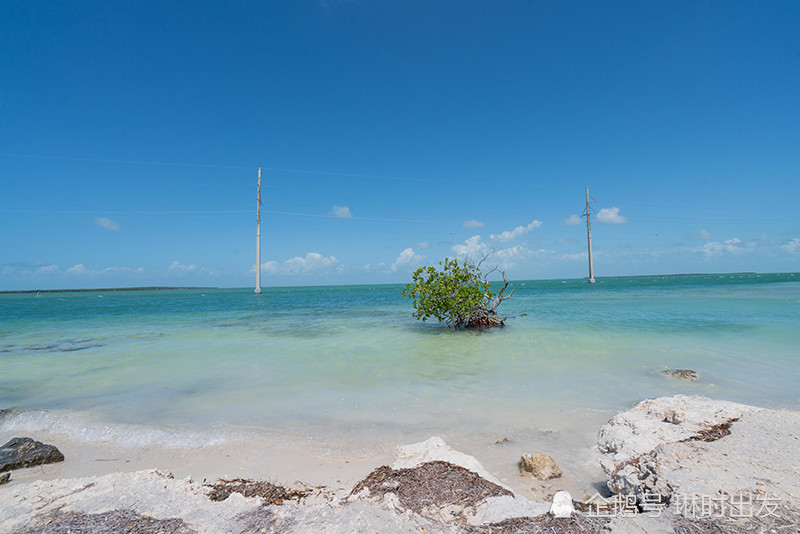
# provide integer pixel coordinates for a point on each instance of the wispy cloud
(702, 235)
(729, 246)
(180, 269)
(610, 216)
(47, 270)
(108, 224)
(422, 244)
(508, 258)
(573, 220)
(792, 246)
(509, 235)
(81, 270)
(342, 212)
(475, 249)
(472, 224)
(29, 268)
(312, 262)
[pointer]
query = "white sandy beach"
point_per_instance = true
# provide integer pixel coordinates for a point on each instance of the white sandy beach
(760, 455)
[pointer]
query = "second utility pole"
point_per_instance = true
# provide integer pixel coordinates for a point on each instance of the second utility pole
(258, 236)
(588, 214)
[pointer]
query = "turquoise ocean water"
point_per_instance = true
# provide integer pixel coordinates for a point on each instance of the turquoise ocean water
(181, 368)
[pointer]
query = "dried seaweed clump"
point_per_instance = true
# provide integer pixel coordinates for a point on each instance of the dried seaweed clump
(269, 492)
(432, 483)
(574, 524)
(113, 522)
(713, 433)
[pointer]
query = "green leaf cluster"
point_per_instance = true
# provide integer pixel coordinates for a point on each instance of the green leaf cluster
(449, 293)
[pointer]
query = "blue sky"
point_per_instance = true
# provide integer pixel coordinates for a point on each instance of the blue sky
(394, 133)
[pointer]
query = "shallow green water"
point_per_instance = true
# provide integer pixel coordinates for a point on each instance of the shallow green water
(175, 367)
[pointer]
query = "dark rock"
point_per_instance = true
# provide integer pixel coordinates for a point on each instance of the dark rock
(683, 374)
(4, 478)
(25, 452)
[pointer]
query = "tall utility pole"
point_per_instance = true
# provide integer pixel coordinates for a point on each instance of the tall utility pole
(587, 213)
(258, 235)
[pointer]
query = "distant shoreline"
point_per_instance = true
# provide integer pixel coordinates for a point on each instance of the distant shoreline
(678, 274)
(583, 278)
(148, 288)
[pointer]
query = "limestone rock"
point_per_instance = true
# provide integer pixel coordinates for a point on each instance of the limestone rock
(540, 465)
(683, 374)
(562, 504)
(25, 452)
(644, 427)
(717, 448)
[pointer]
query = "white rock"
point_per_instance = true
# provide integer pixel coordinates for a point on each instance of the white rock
(562, 504)
(644, 427)
(152, 493)
(646, 453)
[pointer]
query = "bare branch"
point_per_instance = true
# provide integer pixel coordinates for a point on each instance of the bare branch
(484, 259)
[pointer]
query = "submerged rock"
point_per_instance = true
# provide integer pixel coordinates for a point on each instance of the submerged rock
(683, 374)
(539, 465)
(25, 452)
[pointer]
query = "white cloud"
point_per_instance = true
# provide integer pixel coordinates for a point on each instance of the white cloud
(312, 262)
(179, 269)
(508, 235)
(422, 244)
(578, 256)
(108, 224)
(341, 212)
(610, 216)
(573, 220)
(270, 267)
(407, 258)
(792, 246)
(473, 247)
(77, 269)
(30, 268)
(47, 269)
(472, 224)
(510, 257)
(81, 270)
(729, 246)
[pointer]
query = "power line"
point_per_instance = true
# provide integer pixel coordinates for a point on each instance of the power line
(253, 167)
(132, 162)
